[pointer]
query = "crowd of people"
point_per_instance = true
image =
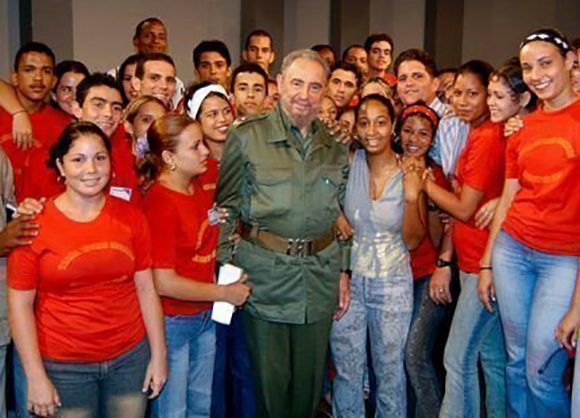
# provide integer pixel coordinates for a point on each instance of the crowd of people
(409, 237)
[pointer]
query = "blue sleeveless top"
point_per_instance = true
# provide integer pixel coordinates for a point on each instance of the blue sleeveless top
(378, 250)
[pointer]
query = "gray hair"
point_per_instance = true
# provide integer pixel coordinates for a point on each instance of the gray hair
(305, 54)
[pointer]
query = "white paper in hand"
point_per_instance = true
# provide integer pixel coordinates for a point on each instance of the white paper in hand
(222, 311)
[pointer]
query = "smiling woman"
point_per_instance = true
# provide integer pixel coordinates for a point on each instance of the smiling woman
(384, 208)
(177, 206)
(208, 103)
(91, 260)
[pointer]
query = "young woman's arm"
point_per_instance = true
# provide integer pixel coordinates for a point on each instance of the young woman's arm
(169, 284)
(152, 314)
(461, 207)
(440, 283)
(42, 396)
(485, 287)
(415, 206)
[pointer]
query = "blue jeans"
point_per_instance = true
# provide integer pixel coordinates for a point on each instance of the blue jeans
(111, 388)
(190, 362)
(576, 388)
(384, 308)
(475, 335)
(425, 325)
(233, 389)
(534, 291)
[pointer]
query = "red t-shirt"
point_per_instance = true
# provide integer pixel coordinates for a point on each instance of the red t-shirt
(124, 178)
(390, 79)
(481, 167)
(86, 304)
(41, 181)
(47, 125)
(424, 257)
(183, 240)
(208, 180)
(545, 158)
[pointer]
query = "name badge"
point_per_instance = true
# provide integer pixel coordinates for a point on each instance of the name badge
(123, 193)
(213, 216)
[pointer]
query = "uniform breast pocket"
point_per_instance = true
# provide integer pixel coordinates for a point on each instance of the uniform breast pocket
(272, 191)
(330, 187)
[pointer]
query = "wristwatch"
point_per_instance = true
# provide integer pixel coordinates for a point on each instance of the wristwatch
(442, 263)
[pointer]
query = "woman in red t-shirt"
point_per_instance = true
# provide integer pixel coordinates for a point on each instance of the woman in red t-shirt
(475, 333)
(184, 237)
(81, 296)
(416, 129)
(534, 245)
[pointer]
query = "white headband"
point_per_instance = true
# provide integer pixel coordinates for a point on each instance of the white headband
(199, 96)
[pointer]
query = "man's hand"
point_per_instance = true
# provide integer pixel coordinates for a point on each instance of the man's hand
(344, 231)
(17, 233)
(22, 130)
(341, 134)
(343, 296)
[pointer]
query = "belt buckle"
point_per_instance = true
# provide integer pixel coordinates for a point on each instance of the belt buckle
(299, 247)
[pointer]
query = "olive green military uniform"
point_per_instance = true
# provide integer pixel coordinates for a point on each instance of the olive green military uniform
(276, 181)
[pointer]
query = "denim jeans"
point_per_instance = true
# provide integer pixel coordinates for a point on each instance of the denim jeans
(190, 361)
(384, 308)
(111, 388)
(576, 388)
(233, 389)
(20, 387)
(3, 350)
(475, 335)
(425, 325)
(534, 291)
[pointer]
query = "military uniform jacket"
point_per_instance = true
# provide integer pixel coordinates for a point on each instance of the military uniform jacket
(293, 187)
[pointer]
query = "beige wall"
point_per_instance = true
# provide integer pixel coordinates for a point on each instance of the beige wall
(103, 29)
(404, 20)
(99, 32)
(493, 29)
(306, 23)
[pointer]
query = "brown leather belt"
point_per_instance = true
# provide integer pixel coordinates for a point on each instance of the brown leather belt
(299, 247)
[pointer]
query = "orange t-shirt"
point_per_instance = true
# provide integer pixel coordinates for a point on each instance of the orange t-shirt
(481, 167)
(86, 304)
(47, 125)
(183, 239)
(424, 257)
(41, 181)
(545, 158)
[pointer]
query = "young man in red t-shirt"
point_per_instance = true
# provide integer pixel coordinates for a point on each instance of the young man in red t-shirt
(32, 79)
(380, 48)
(98, 101)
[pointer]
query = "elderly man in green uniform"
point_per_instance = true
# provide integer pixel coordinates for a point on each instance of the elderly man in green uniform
(282, 179)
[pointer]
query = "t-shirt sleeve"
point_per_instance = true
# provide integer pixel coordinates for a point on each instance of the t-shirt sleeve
(163, 222)
(23, 268)
(511, 157)
(141, 242)
(483, 163)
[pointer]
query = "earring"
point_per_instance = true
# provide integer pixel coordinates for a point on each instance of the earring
(172, 167)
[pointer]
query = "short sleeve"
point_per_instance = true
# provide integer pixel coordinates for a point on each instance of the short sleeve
(163, 223)
(483, 162)
(511, 157)
(23, 270)
(141, 242)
